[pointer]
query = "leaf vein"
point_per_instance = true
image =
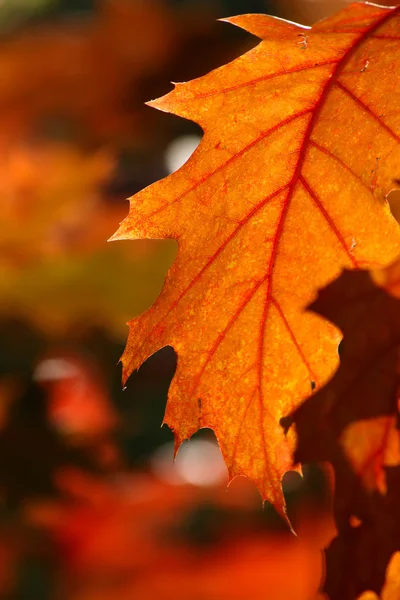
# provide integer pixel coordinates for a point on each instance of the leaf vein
(340, 161)
(246, 410)
(367, 109)
(329, 220)
(266, 78)
(290, 331)
(236, 156)
(221, 336)
(220, 249)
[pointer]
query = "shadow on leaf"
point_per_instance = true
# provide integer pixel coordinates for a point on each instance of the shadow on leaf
(352, 422)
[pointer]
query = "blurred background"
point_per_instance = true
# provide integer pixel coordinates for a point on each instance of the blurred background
(91, 505)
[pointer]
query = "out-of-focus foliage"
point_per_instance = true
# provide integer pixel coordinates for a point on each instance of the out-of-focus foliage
(75, 139)
(123, 533)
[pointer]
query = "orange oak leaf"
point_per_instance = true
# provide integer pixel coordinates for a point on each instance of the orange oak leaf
(300, 148)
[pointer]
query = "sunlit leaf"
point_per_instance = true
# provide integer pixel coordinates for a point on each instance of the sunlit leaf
(300, 148)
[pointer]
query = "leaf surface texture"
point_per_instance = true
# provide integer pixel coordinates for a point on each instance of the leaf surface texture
(301, 145)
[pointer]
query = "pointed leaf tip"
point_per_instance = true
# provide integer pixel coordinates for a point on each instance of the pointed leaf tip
(264, 26)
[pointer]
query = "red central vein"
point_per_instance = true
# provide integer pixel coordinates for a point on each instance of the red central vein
(268, 278)
(236, 156)
(297, 172)
(220, 249)
(222, 335)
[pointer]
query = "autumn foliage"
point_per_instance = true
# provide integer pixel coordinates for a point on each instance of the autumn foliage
(277, 327)
(260, 241)
(288, 187)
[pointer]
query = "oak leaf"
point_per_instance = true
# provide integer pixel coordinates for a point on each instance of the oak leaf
(353, 422)
(300, 148)
(355, 415)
